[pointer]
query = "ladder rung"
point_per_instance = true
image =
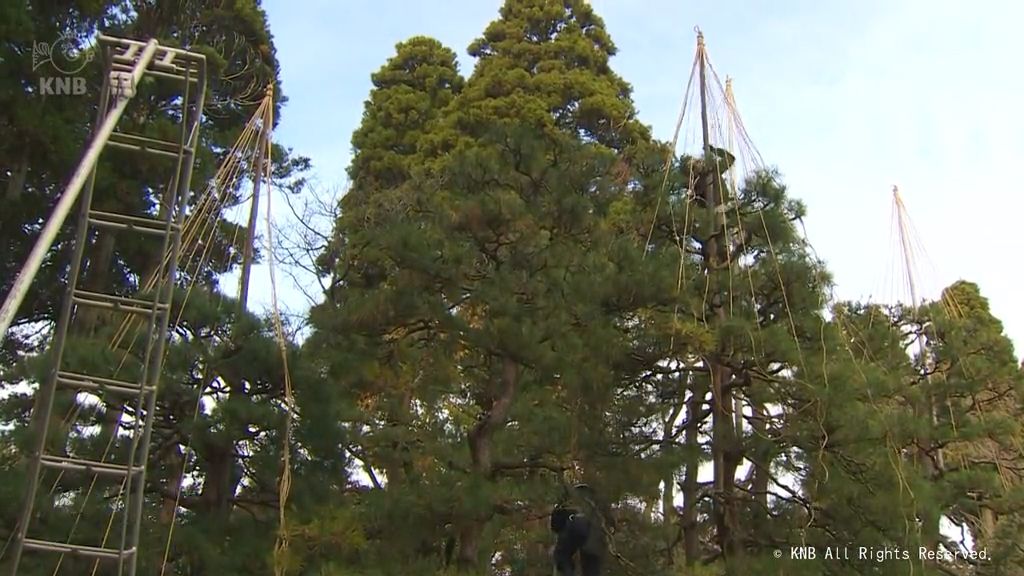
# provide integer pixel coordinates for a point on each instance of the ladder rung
(162, 59)
(77, 549)
(131, 51)
(130, 223)
(174, 71)
(90, 466)
(117, 303)
(72, 380)
(135, 142)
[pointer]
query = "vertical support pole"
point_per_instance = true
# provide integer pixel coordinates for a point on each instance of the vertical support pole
(257, 179)
(931, 468)
(721, 399)
(702, 65)
(923, 347)
(711, 255)
(730, 107)
(695, 401)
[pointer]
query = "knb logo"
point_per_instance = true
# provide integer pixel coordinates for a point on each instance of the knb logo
(64, 56)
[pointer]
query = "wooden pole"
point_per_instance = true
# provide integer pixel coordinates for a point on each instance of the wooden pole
(254, 208)
(721, 396)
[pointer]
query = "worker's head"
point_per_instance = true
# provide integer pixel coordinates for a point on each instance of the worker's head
(560, 517)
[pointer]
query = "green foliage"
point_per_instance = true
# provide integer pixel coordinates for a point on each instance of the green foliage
(486, 331)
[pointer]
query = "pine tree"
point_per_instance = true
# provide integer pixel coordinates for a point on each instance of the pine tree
(534, 137)
(369, 335)
(761, 296)
(884, 476)
(499, 266)
(976, 386)
(859, 487)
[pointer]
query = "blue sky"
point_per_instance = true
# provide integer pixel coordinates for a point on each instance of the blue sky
(846, 98)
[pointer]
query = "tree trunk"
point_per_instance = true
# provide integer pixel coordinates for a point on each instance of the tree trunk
(176, 464)
(97, 279)
(987, 529)
(726, 460)
(221, 478)
(480, 444)
(668, 494)
(930, 526)
(399, 467)
(761, 473)
(16, 185)
(694, 408)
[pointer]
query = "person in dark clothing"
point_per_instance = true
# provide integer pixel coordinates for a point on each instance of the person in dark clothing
(579, 531)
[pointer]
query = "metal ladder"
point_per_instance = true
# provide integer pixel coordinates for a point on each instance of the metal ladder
(128, 62)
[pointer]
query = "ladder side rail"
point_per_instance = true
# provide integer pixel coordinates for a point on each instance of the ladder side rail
(191, 124)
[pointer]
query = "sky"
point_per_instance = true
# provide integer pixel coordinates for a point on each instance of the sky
(846, 99)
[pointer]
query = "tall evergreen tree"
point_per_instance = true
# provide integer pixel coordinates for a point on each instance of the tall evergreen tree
(499, 266)
(975, 385)
(755, 287)
(367, 339)
(410, 93)
(532, 140)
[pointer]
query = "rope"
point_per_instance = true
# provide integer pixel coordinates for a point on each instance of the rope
(188, 446)
(252, 131)
(282, 544)
(670, 155)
